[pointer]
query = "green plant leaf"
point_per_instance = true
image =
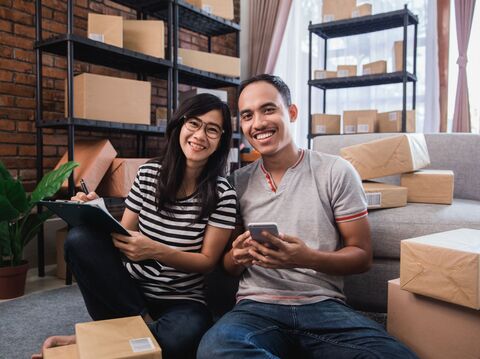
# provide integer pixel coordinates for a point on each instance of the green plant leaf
(4, 239)
(32, 226)
(4, 174)
(7, 211)
(16, 195)
(51, 182)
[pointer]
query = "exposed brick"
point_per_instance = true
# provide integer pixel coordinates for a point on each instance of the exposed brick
(25, 6)
(25, 126)
(6, 52)
(16, 138)
(16, 16)
(7, 150)
(8, 101)
(7, 125)
(54, 72)
(16, 113)
(6, 76)
(6, 3)
(5, 25)
(8, 64)
(22, 55)
(17, 90)
(54, 26)
(25, 79)
(16, 41)
(23, 102)
(28, 175)
(19, 162)
(27, 151)
(26, 31)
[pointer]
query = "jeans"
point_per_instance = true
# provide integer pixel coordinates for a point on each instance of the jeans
(327, 329)
(109, 292)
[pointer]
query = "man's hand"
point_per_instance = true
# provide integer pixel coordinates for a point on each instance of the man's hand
(138, 247)
(240, 250)
(56, 341)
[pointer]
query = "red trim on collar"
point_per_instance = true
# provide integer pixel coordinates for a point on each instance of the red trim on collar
(300, 158)
(269, 178)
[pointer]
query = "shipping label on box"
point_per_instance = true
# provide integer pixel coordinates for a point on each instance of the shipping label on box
(444, 266)
(346, 70)
(388, 156)
(429, 186)
(222, 8)
(392, 121)
(106, 29)
(116, 338)
(366, 118)
(377, 67)
(325, 124)
(337, 9)
(206, 61)
(63, 352)
(366, 124)
(398, 56)
(430, 327)
(119, 178)
(384, 195)
(324, 74)
(362, 10)
(144, 36)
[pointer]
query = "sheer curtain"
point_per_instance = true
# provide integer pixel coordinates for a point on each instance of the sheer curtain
(292, 64)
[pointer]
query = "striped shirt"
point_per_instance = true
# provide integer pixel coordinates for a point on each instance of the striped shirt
(157, 280)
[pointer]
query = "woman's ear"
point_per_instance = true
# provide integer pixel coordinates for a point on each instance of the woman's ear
(293, 112)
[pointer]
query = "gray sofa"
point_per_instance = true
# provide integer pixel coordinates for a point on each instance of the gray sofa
(457, 152)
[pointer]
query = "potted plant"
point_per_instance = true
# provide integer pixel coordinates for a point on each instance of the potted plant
(19, 224)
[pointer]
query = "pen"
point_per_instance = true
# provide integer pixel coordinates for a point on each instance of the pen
(84, 187)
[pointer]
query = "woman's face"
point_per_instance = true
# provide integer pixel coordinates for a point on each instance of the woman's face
(196, 145)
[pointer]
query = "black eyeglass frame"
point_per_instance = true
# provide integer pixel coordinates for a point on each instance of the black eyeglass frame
(204, 126)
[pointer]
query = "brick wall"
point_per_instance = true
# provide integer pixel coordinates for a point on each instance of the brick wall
(17, 81)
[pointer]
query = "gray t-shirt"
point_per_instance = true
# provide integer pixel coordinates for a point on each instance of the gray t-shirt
(317, 192)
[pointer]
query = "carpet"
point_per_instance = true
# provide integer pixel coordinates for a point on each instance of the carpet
(27, 321)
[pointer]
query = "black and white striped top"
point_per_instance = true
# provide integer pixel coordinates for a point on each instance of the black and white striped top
(159, 281)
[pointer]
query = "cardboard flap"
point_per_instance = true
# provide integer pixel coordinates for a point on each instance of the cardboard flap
(418, 148)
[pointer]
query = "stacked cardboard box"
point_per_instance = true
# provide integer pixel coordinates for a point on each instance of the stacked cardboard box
(359, 121)
(106, 29)
(333, 10)
(221, 94)
(392, 121)
(325, 124)
(119, 177)
(346, 70)
(383, 195)
(376, 67)
(362, 10)
(429, 186)
(206, 61)
(63, 352)
(222, 8)
(398, 56)
(324, 74)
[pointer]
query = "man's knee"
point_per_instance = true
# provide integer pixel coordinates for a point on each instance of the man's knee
(217, 337)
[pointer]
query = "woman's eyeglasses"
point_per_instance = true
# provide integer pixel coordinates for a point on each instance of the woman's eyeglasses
(212, 130)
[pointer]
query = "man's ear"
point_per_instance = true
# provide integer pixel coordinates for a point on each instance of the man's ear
(293, 112)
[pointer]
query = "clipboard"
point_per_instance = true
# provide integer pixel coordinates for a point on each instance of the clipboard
(86, 214)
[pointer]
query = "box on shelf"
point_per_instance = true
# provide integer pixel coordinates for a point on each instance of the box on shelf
(94, 157)
(429, 186)
(384, 195)
(106, 29)
(429, 326)
(161, 117)
(346, 70)
(222, 8)
(325, 124)
(106, 98)
(120, 177)
(145, 36)
(443, 266)
(60, 241)
(362, 10)
(337, 9)
(366, 124)
(376, 67)
(398, 56)
(392, 121)
(221, 94)
(63, 352)
(206, 61)
(388, 156)
(324, 74)
(116, 338)
(359, 121)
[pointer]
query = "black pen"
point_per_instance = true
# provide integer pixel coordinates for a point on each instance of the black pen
(84, 187)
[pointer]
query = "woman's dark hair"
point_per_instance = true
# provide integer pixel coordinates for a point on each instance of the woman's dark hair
(173, 161)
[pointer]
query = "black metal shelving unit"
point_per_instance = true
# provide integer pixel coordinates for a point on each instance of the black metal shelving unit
(176, 14)
(356, 26)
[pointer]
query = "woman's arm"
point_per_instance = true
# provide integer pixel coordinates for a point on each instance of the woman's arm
(130, 220)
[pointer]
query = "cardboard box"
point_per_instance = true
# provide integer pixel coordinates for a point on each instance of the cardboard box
(63, 352)
(346, 70)
(222, 8)
(444, 266)
(145, 36)
(120, 177)
(94, 157)
(359, 121)
(384, 195)
(398, 56)
(161, 117)
(362, 10)
(221, 94)
(116, 338)
(106, 29)
(388, 156)
(325, 124)
(337, 9)
(324, 74)
(429, 186)
(60, 241)
(377, 67)
(392, 121)
(206, 61)
(105, 98)
(431, 328)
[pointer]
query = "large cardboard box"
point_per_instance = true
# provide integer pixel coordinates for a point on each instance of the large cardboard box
(325, 124)
(120, 177)
(60, 242)
(324, 74)
(206, 61)
(106, 29)
(431, 328)
(337, 9)
(221, 94)
(105, 98)
(362, 10)
(392, 121)
(384, 195)
(63, 352)
(388, 156)
(359, 121)
(222, 8)
(116, 338)
(429, 186)
(444, 266)
(94, 158)
(398, 56)
(376, 67)
(346, 70)
(145, 36)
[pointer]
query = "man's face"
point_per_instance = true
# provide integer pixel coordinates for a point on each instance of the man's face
(264, 118)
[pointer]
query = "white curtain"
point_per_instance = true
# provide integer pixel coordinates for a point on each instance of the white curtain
(292, 64)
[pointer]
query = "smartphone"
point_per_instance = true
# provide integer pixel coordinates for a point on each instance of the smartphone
(256, 230)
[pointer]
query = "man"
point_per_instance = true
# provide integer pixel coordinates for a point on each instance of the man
(290, 300)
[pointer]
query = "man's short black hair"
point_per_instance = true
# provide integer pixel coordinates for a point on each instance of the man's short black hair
(275, 81)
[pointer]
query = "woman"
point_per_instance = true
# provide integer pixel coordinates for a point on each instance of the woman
(180, 214)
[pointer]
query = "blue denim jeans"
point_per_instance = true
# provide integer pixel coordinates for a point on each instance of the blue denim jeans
(109, 292)
(327, 329)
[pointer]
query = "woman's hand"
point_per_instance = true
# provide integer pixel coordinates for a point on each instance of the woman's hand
(137, 247)
(240, 250)
(55, 341)
(83, 197)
